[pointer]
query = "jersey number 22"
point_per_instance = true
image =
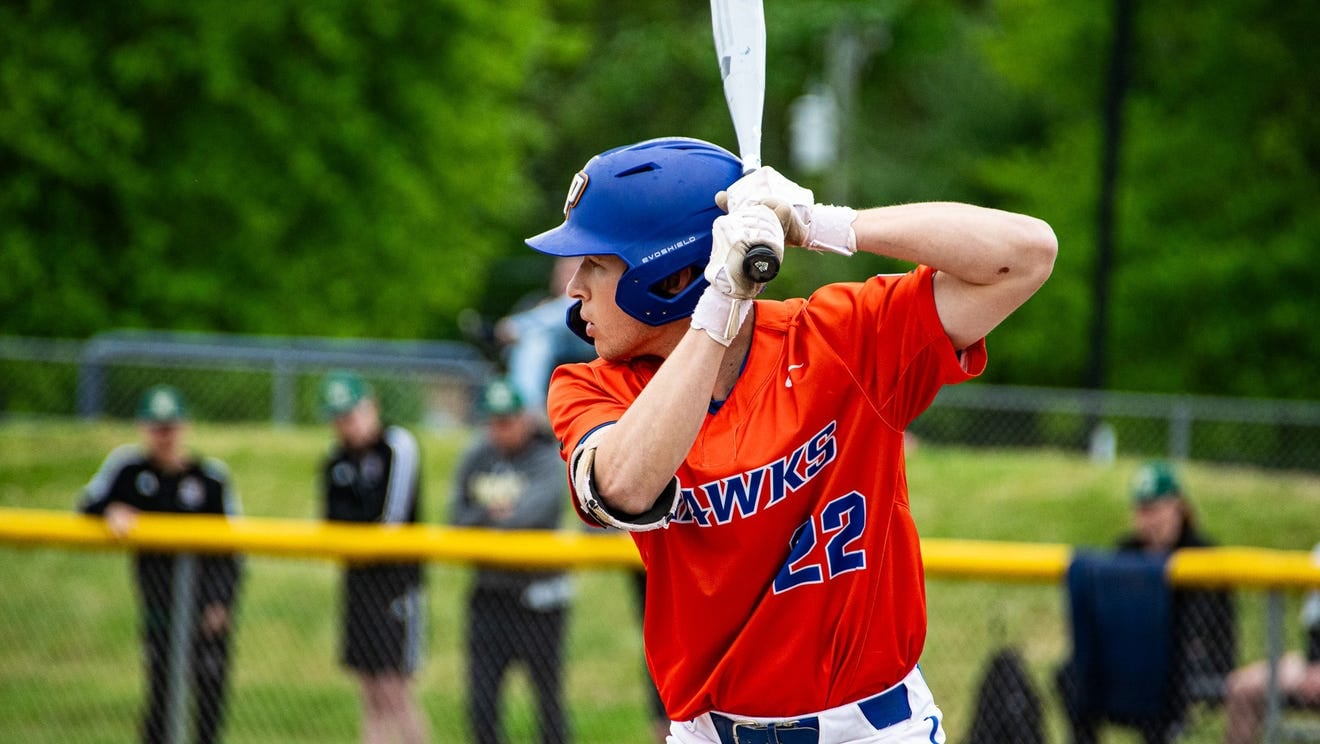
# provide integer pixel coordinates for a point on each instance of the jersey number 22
(841, 523)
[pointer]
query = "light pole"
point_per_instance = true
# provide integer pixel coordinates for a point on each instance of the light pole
(823, 122)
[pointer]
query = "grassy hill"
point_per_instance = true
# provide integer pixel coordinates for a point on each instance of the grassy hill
(69, 669)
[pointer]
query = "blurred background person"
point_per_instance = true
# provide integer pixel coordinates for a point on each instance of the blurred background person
(512, 478)
(534, 339)
(372, 475)
(161, 475)
(1204, 621)
(1298, 679)
(537, 339)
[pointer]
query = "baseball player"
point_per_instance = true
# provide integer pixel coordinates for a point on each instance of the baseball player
(373, 475)
(163, 477)
(511, 478)
(754, 448)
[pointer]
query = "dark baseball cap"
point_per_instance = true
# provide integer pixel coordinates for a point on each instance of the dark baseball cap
(341, 392)
(161, 404)
(500, 398)
(1153, 481)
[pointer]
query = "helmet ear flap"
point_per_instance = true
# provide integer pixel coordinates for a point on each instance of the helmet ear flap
(576, 324)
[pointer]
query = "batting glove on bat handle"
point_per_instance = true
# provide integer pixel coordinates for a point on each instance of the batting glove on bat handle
(818, 227)
(745, 245)
(760, 264)
(726, 302)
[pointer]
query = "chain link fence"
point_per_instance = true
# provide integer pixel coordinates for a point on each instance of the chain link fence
(78, 653)
(229, 378)
(1273, 434)
(244, 378)
(80, 643)
(82, 659)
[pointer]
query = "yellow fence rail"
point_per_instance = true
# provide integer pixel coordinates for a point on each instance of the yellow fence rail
(1256, 568)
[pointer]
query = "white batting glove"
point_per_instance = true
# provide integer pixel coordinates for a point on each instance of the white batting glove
(724, 305)
(733, 235)
(818, 227)
(762, 186)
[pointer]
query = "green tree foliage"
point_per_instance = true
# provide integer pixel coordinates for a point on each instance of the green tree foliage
(373, 168)
(649, 70)
(334, 167)
(1214, 281)
(928, 110)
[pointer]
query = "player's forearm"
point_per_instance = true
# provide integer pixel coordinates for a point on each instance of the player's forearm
(976, 245)
(649, 442)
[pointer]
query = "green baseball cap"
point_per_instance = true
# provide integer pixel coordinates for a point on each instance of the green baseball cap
(341, 392)
(500, 398)
(161, 404)
(1154, 481)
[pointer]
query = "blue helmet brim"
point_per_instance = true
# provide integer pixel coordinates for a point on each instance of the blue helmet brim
(569, 240)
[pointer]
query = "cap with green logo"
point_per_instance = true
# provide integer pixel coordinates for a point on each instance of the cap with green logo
(341, 392)
(161, 404)
(500, 398)
(1154, 481)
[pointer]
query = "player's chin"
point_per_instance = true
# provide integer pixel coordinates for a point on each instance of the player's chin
(622, 341)
(616, 348)
(609, 352)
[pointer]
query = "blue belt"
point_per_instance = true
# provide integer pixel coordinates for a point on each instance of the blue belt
(881, 711)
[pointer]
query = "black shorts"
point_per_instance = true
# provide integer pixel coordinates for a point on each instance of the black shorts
(383, 619)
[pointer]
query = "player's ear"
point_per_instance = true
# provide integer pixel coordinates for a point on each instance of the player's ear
(677, 281)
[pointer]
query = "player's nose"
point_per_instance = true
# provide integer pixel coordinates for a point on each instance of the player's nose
(577, 288)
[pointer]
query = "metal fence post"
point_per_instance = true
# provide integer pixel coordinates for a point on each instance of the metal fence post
(1274, 651)
(91, 377)
(282, 392)
(1180, 431)
(181, 632)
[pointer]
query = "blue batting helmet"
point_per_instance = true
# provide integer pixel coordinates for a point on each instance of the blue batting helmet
(651, 204)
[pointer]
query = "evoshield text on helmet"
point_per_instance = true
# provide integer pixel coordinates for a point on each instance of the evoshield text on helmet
(651, 204)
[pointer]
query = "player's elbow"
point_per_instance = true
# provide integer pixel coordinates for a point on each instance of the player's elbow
(620, 476)
(1038, 247)
(628, 498)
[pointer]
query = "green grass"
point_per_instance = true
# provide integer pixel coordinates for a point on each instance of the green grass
(69, 666)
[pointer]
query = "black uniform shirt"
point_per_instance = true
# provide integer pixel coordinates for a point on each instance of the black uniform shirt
(380, 483)
(377, 484)
(1311, 621)
(127, 476)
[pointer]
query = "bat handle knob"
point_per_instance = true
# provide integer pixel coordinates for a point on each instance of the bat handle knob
(760, 264)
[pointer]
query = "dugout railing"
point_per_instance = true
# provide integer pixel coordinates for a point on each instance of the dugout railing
(1272, 578)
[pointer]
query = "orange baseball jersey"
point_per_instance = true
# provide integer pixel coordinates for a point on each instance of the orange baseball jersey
(789, 578)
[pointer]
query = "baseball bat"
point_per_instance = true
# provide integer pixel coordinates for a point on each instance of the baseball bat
(739, 27)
